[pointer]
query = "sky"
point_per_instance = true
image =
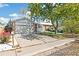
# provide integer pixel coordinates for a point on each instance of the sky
(9, 10)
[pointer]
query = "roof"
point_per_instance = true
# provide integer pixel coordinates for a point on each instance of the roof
(44, 23)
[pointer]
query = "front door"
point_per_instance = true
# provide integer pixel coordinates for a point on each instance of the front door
(35, 27)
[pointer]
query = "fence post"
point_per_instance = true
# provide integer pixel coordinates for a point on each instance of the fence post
(13, 23)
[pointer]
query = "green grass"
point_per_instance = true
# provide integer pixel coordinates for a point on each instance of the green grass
(48, 33)
(52, 34)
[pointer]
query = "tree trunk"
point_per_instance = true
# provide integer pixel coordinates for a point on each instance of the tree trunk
(55, 31)
(72, 33)
(55, 26)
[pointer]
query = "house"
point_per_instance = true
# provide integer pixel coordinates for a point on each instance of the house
(24, 25)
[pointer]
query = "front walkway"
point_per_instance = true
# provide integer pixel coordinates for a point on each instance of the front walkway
(42, 46)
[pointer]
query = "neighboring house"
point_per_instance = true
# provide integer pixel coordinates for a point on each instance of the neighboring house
(2, 25)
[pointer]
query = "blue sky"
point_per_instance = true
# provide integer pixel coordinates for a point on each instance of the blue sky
(9, 10)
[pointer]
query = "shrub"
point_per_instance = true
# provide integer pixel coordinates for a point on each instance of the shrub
(76, 30)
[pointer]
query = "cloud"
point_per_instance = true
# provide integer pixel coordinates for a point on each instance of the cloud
(14, 15)
(3, 5)
(3, 19)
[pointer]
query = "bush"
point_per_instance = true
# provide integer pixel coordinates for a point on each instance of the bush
(50, 29)
(76, 30)
(60, 31)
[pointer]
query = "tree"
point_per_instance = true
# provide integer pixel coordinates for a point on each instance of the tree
(71, 18)
(35, 9)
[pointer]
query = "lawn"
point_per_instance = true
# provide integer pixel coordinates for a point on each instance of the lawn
(48, 33)
(52, 34)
